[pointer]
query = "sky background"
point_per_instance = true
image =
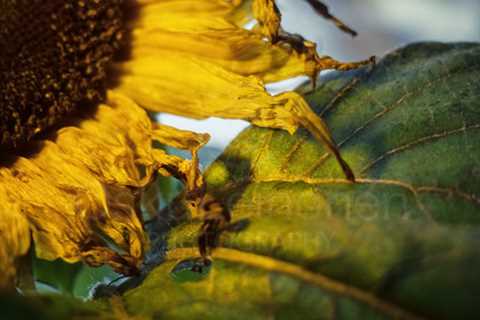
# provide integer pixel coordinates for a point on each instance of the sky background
(383, 25)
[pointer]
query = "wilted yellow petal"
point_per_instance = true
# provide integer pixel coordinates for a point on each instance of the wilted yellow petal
(186, 171)
(183, 15)
(182, 85)
(207, 33)
(14, 241)
(268, 17)
(78, 191)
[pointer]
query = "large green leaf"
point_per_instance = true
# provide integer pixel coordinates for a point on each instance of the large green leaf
(403, 242)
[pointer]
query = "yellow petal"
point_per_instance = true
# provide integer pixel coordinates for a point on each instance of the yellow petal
(268, 17)
(14, 241)
(198, 89)
(209, 34)
(79, 191)
(207, 31)
(186, 15)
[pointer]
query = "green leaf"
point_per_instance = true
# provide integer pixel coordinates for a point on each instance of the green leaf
(57, 274)
(88, 278)
(76, 280)
(57, 307)
(403, 242)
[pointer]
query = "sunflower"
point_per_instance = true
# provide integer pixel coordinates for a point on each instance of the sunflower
(76, 79)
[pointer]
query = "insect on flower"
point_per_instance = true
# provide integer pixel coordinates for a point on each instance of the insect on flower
(76, 78)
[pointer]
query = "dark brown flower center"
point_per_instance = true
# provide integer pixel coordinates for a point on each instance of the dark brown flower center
(53, 57)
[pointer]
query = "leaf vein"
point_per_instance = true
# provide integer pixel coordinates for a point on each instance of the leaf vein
(278, 266)
(379, 115)
(261, 151)
(416, 142)
(415, 190)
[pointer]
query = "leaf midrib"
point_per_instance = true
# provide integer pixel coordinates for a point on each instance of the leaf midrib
(287, 268)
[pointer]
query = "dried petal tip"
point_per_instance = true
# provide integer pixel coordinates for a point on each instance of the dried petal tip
(322, 10)
(53, 55)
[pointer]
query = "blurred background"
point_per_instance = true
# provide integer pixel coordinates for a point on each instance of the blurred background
(383, 25)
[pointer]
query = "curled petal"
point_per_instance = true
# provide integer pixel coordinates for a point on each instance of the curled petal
(78, 194)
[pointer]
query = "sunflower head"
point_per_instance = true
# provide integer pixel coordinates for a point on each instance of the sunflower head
(53, 58)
